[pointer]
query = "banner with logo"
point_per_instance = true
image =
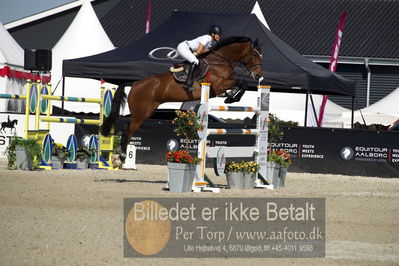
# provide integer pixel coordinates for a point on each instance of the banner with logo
(313, 150)
(342, 151)
(11, 123)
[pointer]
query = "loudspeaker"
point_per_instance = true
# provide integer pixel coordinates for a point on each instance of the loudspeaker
(37, 59)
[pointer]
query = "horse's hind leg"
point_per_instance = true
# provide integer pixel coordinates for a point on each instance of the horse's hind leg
(135, 123)
(131, 129)
(142, 104)
(138, 115)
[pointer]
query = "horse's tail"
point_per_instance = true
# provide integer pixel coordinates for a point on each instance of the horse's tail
(117, 102)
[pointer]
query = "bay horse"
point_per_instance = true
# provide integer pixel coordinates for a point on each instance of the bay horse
(147, 94)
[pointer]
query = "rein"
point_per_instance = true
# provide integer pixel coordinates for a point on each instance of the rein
(251, 64)
(248, 69)
(224, 58)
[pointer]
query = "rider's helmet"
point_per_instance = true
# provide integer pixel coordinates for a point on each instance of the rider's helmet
(215, 29)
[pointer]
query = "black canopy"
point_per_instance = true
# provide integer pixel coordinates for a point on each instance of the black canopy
(284, 68)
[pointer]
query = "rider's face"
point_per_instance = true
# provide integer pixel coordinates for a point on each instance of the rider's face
(216, 36)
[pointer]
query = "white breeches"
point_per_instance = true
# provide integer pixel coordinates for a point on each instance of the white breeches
(185, 52)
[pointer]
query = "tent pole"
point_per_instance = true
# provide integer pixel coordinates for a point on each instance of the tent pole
(353, 111)
(314, 110)
(63, 93)
(306, 108)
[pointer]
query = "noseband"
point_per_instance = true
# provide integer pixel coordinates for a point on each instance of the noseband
(250, 66)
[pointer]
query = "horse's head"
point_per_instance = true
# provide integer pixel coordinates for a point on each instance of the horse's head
(251, 58)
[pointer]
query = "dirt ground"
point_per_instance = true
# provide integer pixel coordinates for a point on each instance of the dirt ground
(72, 217)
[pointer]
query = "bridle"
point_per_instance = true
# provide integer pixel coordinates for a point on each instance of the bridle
(249, 67)
(232, 65)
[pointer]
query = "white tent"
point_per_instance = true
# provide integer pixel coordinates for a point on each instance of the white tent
(384, 112)
(259, 14)
(84, 37)
(387, 105)
(11, 62)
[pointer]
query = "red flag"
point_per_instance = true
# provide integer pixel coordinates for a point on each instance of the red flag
(102, 81)
(333, 62)
(147, 24)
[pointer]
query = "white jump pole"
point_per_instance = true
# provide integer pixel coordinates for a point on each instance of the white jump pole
(261, 132)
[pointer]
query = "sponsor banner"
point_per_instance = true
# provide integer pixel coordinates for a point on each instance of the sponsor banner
(221, 227)
(155, 138)
(342, 151)
(314, 150)
(11, 124)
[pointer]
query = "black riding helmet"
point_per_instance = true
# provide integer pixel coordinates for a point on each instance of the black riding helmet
(215, 29)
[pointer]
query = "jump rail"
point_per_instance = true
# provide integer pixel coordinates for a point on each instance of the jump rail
(38, 102)
(261, 133)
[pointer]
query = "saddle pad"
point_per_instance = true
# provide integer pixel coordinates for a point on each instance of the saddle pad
(180, 74)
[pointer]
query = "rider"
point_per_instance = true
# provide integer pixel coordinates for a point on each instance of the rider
(190, 49)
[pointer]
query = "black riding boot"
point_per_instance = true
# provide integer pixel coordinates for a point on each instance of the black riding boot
(188, 85)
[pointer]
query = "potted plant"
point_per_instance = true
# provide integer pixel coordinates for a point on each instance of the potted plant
(181, 165)
(275, 133)
(250, 169)
(187, 125)
(82, 158)
(59, 155)
(278, 162)
(241, 175)
(23, 154)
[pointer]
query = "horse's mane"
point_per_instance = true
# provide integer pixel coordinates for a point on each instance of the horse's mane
(230, 40)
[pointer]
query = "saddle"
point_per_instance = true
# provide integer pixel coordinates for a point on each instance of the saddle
(180, 70)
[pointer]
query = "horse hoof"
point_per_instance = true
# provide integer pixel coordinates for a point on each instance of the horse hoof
(229, 100)
(122, 157)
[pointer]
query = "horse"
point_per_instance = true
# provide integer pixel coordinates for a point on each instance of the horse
(10, 125)
(147, 94)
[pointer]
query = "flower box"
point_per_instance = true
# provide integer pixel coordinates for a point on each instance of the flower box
(241, 175)
(249, 180)
(23, 159)
(57, 163)
(181, 176)
(235, 180)
(82, 164)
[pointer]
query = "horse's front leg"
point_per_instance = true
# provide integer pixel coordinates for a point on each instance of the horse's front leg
(223, 86)
(233, 90)
(235, 94)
